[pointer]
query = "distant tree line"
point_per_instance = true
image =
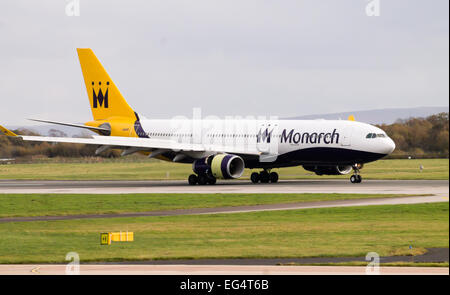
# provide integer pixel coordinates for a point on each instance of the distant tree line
(414, 137)
(420, 137)
(11, 147)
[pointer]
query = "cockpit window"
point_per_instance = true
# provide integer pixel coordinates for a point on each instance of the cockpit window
(374, 135)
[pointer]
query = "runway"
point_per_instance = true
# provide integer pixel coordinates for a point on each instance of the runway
(435, 187)
(59, 269)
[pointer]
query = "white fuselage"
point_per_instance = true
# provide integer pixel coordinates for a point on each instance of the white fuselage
(279, 138)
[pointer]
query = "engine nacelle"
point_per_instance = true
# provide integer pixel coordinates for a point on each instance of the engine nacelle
(222, 166)
(330, 170)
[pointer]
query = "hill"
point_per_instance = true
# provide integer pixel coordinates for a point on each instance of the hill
(379, 116)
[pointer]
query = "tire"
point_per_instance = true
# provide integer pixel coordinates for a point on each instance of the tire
(202, 179)
(212, 180)
(254, 177)
(192, 179)
(264, 177)
(353, 179)
(273, 177)
(358, 178)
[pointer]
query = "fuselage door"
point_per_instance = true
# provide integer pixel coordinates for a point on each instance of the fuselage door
(347, 136)
(267, 141)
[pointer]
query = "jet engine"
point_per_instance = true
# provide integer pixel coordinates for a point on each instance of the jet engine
(221, 166)
(330, 170)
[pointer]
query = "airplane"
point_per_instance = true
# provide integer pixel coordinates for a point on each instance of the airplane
(222, 149)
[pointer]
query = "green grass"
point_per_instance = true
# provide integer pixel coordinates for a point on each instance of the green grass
(13, 205)
(350, 231)
(143, 169)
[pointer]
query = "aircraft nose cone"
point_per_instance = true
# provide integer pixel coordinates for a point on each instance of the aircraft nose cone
(390, 146)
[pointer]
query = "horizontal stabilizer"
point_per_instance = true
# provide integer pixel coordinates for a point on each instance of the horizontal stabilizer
(6, 132)
(72, 125)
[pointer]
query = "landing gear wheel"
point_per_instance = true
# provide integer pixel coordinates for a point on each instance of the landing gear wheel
(212, 180)
(192, 179)
(264, 177)
(254, 177)
(355, 178)
(273, 177)
(202, 179)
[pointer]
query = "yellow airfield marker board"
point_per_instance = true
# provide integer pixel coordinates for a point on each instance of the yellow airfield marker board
(107, 238)
(104, 239)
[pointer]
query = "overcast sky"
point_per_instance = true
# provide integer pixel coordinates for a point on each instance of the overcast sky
(283, 58)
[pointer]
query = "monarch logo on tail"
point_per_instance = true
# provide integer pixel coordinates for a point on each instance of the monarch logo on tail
(105, 99)
(100, 99)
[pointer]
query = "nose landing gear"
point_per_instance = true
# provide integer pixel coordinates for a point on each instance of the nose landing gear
(264, 176)
(356, 177)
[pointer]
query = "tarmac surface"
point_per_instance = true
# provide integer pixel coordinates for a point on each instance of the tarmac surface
(438, 187)
(60, 269)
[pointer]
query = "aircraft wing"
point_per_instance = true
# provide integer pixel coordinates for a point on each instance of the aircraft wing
(144, 144)
(140, 143)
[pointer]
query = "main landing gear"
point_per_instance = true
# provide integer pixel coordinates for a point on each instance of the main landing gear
(356, 177)
(264, 176)
(201, 179)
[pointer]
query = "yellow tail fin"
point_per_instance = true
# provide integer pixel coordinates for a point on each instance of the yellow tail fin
(105, 98)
